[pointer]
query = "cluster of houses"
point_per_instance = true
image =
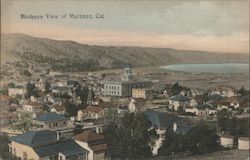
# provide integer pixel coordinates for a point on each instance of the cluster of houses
(53, 135)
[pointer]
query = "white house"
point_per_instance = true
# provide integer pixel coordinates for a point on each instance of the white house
(16, 91)
(32, 107)
(176, 101)
(225, 91)
(90, 112)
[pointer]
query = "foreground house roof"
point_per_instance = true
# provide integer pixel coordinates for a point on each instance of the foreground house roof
(36, 138)
(50, 117)
(95, 141)
(88, 136)
(161, 119)
(66, 147)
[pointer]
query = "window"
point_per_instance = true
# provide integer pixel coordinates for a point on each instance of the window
(25, 156)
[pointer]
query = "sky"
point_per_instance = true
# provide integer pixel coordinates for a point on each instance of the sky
(214, 25)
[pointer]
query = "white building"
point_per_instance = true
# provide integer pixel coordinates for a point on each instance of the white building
(176, 101)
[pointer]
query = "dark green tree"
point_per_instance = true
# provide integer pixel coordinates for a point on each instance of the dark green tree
(176, 89)
(71, 109)
(47, 87)
(131, 138)
(173, 143)
(223, 119)
(31, 90)
(202, 139)
(242, 91)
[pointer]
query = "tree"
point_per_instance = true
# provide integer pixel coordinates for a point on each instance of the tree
(47, 87)
(131, 138)
(71, 109)
(180, 110)
(24, 123)
(223, 119)
(201, 139)
(235, 127)
(173, 143)
(110, 116)
(176, 89)
(31, 90)
(242, 91)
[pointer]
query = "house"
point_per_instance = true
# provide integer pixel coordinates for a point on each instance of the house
(224, 91)
(232, 101)
(59, 90)
(51, 121)
(32, 106)
(45, 145)
(93, 143)
(93, 112)
(141, 93)
(55, 100)
(7, 118)
(179, 100)
(199, 99)
(162, 121)
(58, 109)
(122, 109)
(17, 90)
(192, 110)
(213, 99)
(4, 100)
(137, 105)
(205, 110)
(90, 112)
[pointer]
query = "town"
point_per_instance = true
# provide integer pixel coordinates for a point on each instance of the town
(98, 116)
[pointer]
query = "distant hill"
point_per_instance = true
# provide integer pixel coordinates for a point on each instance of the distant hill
(72, 56)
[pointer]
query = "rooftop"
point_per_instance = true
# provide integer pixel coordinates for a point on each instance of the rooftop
(36, 138)
(50, 117)
(179, 98)
(161, 119)
(66, 147)
(95, 141)
(88, 136)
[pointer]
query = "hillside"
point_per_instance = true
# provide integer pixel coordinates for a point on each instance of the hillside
(72, 56)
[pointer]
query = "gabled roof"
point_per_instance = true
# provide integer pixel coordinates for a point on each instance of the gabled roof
(180, 98)
(66, 147)
(215, 97)
(204, 106)
(50, 117)
(95, 141)
(161, 119)
(88, 136)
(36, 138)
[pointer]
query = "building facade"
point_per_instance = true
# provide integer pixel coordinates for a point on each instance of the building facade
(123, 88)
